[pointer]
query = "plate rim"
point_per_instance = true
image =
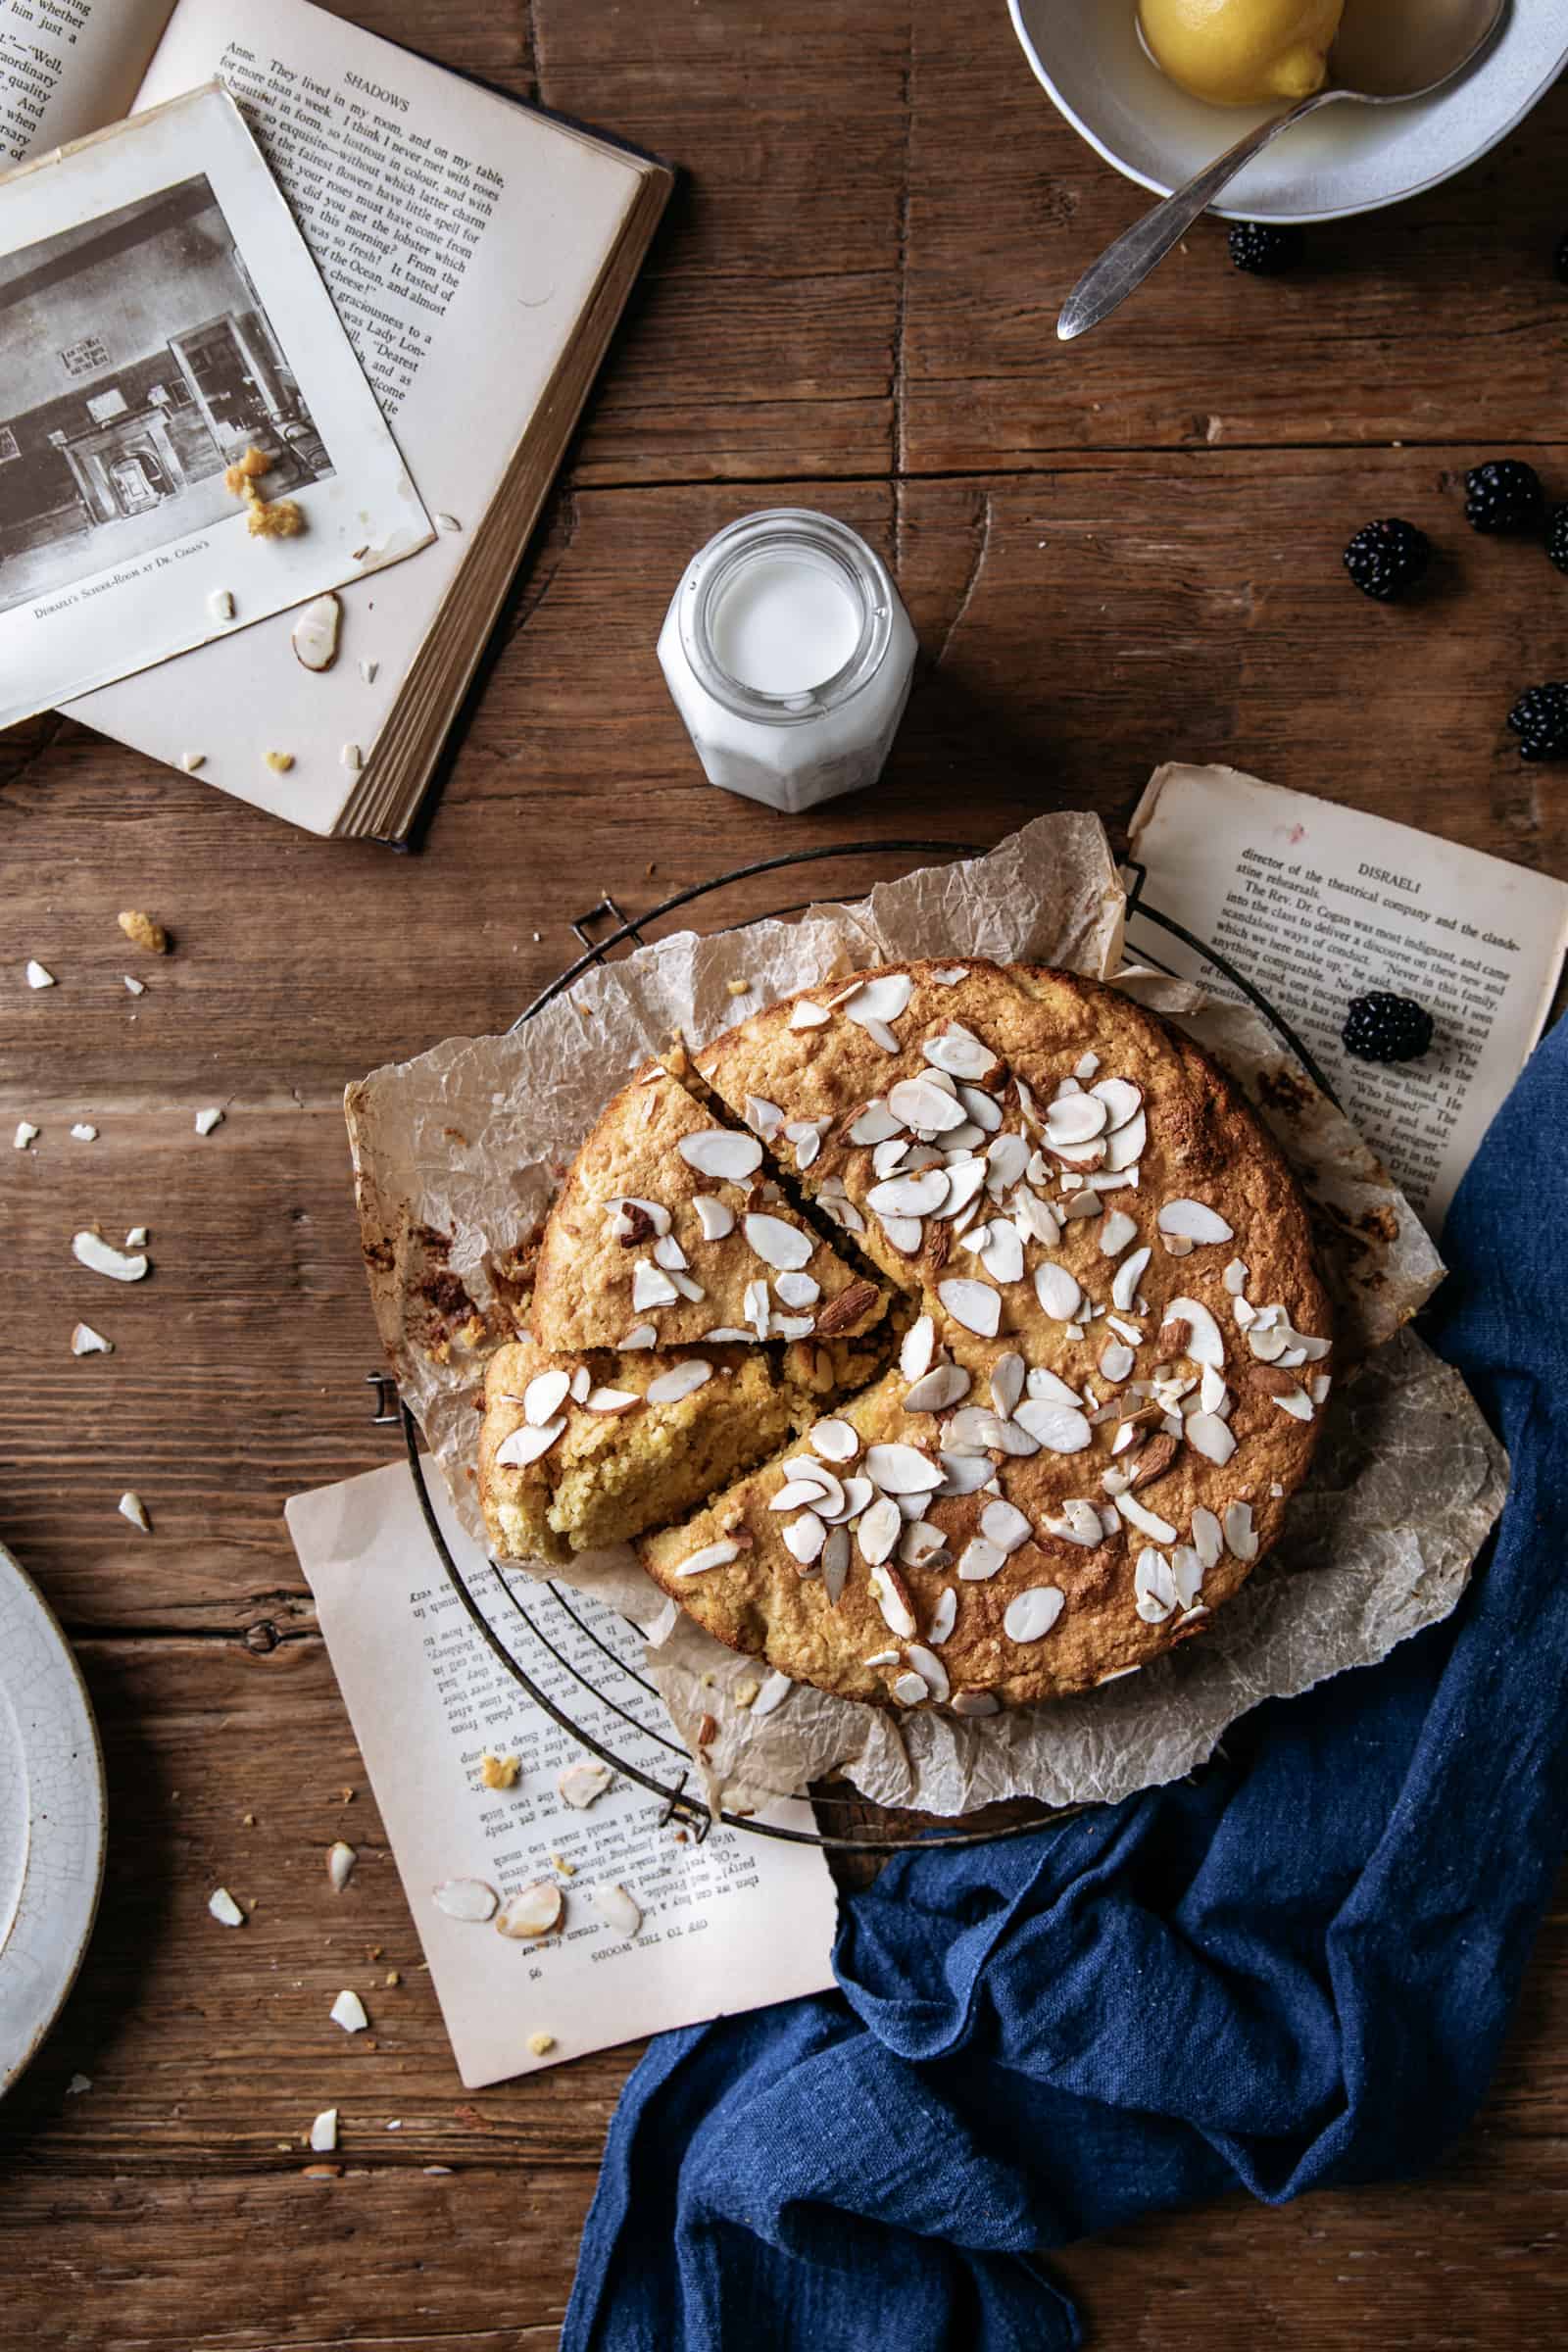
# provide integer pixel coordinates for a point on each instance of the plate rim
(35, 2029)
(1275, 219)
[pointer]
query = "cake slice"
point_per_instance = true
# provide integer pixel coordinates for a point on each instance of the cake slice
(583, 1451)
(670, 1231)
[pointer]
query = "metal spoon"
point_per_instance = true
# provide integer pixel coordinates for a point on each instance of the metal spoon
(1384, 56)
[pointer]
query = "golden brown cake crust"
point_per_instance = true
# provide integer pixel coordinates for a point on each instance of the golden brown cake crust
(609, 1272)
(1225, 1328)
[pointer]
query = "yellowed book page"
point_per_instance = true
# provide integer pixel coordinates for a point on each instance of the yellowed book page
(69, 67)
(1316, 903)
(729, 1923)
(460, 238)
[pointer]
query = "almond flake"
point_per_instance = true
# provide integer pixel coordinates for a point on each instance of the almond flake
(323, 2132)
(974, 1304)
(223, 1908)
(1117, 1232)
(85, 1340)
(340, 1860)
(775, 1243)
(527, 1444)
(716, 1217)
(472, 1900)
(959, 1051)
(944, 1617)
(348, 2011)
(1006, 1384)
(892, 1596)
(1059, 1428)
(1004, 1524)
(617, 1908)
(808, 1016)
(1116, 1361)
(611, 1400)
(641, 1335)
(943, 1386)
(26, 1135)
(582, 1784)
(976, 1703)
(901, 1470)
(682, 1380)
(805, 1538)
(1129, 1274)
(1078, 1524)
(1057, 1292)
(1155, 1586)
(1029, 1616)
(877, 1530)
(910, 1195)
(207, 1120)
(1203, 1343)
(1193, 1221)
(447, 522)
(882, 998)
(949, 976)
(1235, 1277)
(535, 1910)
(720, 1153)
(352, 755)
(1210, 1436)
(1147, 1522)
(1003, 1255)
(835, 1564)
(764, 1117)
(132, 1508)
(37, 977)
(979, 1560)
(834, 1441)
(544, 1396)
(1074, 1121)
(314, 635)
(712, 1555)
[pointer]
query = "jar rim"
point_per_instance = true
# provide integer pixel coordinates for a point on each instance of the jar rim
(772, 530)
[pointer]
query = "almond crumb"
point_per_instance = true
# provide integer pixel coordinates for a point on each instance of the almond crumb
(392, 1976)
(746, 1693)
(280, 762)
(739, 988)
(568, 1870)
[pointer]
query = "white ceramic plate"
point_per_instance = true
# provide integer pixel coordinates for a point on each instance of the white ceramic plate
(1347, 159)
(52, 1819)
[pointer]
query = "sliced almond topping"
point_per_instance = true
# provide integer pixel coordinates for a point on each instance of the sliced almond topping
(544, 1396)
(682, 1380)
(910, 1690)
(944, 1617)
(1117, 1232)
(1128, 1275)
(612, 1400)
(892, 1596)
(1147, 1522)
(527, 1444)
(943, 1386)
(720, 1153)
(1006, 1384)
(976, 1703)
(1004, 1524)
(1204, 1342)
(1059, 1428)
(960, 1053)
(1126, 1144)
(223, 1908)
(912, 1197)
(1193, 1221)
(1116, 1361)
(348, 2011)
(651, 1286)
(928, 1109)
(1029, 1616)
(901, 1470)
(834, 1441)
(1122, 1100)
(1073, 1120)
(1153, 1586)
(805, 1538)
(875, 1124)
(712, 1555)
(1235, 1277)
(314, 635)
(974, 1304)
(776, 1243)
(835, 1563)
(1241, 1540)
(922, 1545)
(919, 1345)
(1079, 1524)
(641, 1335)
(808, 1016)
(980, 1560)
(1059, 1294)
(876, 1001)
(1208, 1536)
(716, 1217)
(1003, 1255)
(877, 1530)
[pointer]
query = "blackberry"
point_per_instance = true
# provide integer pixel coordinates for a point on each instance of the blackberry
(1384, 559)
(1557, 537)
(1381, 1027)
(1503, 495)
(1539, 720)
(1265, 250)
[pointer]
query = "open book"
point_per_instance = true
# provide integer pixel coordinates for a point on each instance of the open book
(478, 254)
(1316, 903)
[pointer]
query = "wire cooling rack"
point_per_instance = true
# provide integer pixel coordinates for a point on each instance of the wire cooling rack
(578, 1660)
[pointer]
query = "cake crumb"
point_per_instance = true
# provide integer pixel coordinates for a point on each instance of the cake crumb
(540, 2043)
(500, 1772)
(280, 762)
(144, 931)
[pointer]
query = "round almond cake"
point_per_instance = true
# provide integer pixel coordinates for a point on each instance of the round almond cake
(1076, 1432)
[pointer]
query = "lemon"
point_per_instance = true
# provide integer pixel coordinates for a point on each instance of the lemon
(1243, 52)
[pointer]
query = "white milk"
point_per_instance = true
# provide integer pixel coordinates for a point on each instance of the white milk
(789, 655)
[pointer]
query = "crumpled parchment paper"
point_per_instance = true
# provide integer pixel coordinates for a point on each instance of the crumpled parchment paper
(458, 1154)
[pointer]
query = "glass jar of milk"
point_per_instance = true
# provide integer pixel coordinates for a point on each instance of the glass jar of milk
(789, 654)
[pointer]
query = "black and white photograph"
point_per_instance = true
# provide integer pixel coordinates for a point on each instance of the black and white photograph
(137, 363)
(160, 315)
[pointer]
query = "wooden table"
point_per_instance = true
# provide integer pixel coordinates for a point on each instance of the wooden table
(1112, 555)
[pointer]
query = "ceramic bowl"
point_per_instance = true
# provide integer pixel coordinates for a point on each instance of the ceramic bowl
(1346, 160)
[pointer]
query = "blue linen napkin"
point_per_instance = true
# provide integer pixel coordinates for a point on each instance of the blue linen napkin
(1296, 1971)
